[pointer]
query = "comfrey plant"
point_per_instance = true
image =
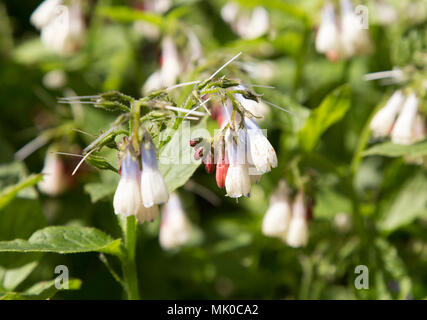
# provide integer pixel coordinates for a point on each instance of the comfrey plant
(286, 220)
(239, 152)
(342, 38)
(401, 118)
(61, 25)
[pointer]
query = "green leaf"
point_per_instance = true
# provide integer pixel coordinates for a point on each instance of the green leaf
(278, 5)
(98, 191)
(10, 192)
(42, 290)
(389, 149)
(32, 51)
(11, 278)
(126, 14)
(103, 189)
(394, 267)
(329, 202)
(409, 204)
(176, 161)
(68, 239)
(331, 110)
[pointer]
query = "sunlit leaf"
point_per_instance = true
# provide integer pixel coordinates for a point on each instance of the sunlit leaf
(389, 149)
(68, 239)
(410, 203)
(331, 110)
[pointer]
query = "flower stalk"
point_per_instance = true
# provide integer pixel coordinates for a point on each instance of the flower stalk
(130, 275)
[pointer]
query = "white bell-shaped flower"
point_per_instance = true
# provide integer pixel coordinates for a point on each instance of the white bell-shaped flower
(127, 199)
(383, 120)
(153, 187)
(276, 219)
(65, 32)
(354, 39)
(328, 38)
(262, 153)
(402, 132)
(257, 25)
(44, 13)
(298, 228)
(170, 62)
(175, 228)
(237, 181)
(54, 179)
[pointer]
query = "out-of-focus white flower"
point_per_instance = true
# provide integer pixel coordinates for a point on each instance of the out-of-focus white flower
(402, 132)
(419, 131)
(298, 228)
(54, 179)
(55, 79)
(157, 6)
(262, 152)
(328, 38)
(229, 12)
(343, 221)
(44, 13)
(65, 32)
(248, 25)
(383, 120)
(277, 218)
(254, 26)
(175, 228)
(354, 39)
(146, 29)
(237, 181)
(153, 187)
(262, 70)
(170, 63)
(127, 199)
(153, 82)
(385, 13)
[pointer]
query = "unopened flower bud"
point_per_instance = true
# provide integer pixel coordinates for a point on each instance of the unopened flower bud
(298, 228)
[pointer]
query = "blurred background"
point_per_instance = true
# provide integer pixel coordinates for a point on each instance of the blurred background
(366, 197)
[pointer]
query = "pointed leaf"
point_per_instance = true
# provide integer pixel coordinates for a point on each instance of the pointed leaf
(68, 239)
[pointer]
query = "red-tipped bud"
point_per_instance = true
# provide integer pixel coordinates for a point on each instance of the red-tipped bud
(195, 141)
(221, 173)
(209, 163)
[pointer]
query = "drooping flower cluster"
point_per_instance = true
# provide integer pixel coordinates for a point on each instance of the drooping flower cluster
(175, 227)
(343, 38)
(399, 119)
(247, 24)
(62, 25)
(139, 192)
(285, 220)
(240, 153)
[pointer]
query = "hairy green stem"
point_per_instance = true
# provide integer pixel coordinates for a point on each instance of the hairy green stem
(128, 262)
